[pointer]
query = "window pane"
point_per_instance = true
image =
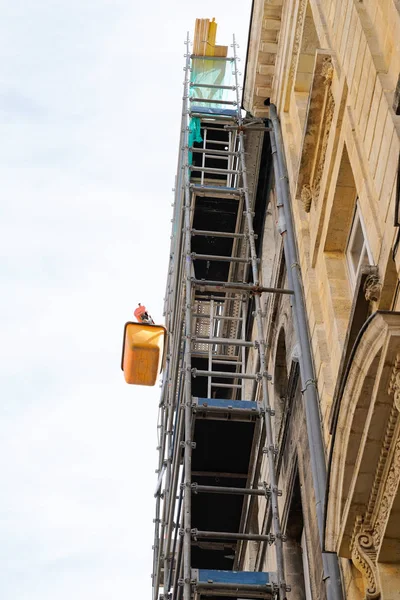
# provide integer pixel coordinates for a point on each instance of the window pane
(364, 258)
(357, 248)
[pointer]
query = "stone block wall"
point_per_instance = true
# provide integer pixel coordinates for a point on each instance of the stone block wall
(331, 67)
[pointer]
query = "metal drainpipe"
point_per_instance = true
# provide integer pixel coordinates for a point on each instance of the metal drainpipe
(310, 393)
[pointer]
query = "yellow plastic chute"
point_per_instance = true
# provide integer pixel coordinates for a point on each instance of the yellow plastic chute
(143, 352)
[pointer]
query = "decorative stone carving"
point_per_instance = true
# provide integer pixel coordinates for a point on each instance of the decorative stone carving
(327, 70)
(328, 116)
(319, 119)
(363, 555)
(372, 288)
(387, 441)
(385, 505)
(306, 197)
(394, 384)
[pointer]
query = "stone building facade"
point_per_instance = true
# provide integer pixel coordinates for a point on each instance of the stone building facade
(332, 69)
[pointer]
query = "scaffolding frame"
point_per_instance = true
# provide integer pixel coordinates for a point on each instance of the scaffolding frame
(206, 320)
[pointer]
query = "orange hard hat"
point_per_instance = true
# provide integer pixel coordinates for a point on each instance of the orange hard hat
(139, 312)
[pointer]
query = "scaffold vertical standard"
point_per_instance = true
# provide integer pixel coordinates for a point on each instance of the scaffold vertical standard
(213, 428)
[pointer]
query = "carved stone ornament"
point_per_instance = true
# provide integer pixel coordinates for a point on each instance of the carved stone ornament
(327, 70)
(372, 288)
(380, 519)
(394, 384)
(306, 197)
(318, 127)
(391, 487)
(363, 555)
(328, 116)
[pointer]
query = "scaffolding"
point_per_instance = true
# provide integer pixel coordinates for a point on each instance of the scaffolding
(211, 434)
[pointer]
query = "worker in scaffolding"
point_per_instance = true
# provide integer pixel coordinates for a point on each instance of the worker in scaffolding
(142, 315)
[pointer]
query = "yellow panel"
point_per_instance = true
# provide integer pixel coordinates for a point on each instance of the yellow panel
(211, 37)
(143, 352)
(221, 51)
(205, 35)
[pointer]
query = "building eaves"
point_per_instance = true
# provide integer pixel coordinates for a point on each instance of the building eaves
(262, 50)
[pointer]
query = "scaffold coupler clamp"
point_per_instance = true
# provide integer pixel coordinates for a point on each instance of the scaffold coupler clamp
(185, 443)
(267, 489)
(271, 448)
(182, 581)
(308, 383)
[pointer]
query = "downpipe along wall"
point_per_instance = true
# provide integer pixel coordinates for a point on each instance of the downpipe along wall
(330, 562)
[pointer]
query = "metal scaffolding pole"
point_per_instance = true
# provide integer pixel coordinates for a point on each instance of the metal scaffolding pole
(226, 535)
(187, 396)
(230, 285)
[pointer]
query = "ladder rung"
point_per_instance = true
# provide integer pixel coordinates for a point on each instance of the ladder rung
(226, 385)
(227, 535)
(216, 142)
(216, 489)
(222, 234)
(225, 374)
(239, 286)
(196, 256)
(213, 152)
(226, 362)
(214, 171)
(212, 86)
(223, 341)
(213, 101)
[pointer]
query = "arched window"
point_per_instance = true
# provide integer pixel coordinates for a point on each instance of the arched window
(280, 383)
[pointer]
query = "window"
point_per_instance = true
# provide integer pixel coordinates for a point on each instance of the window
(295, 548)
(280, 385)
(358, 252)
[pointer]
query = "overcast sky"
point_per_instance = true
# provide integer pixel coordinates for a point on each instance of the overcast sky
(90, 103)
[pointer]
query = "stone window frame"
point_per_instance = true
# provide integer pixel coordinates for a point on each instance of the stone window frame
(357, 226)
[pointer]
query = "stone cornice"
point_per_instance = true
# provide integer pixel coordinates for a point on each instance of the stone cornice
(262, 54)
